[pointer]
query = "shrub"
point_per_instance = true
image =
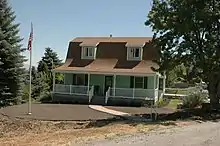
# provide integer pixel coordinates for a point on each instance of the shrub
(45, 97)
(193, 100)
(160, 102)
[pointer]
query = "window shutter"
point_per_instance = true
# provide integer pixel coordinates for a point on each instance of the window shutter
(86, 80)
(74, 79)
(145, 82)
(131, 81)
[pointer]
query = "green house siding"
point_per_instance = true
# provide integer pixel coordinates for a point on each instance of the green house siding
(150, 84)
(122, 82)
(68, 79)
(97, 80)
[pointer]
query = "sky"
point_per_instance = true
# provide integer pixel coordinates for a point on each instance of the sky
(56, 22)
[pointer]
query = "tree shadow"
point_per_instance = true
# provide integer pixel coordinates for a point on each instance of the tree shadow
(164, 119)
(187, 114)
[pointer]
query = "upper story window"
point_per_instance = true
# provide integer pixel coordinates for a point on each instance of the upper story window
(134, 53)
(88, 52)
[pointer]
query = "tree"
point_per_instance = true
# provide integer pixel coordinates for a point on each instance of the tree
(188, 31)
(11, 67)
(40, 87)
(49, 61)
(50, 58)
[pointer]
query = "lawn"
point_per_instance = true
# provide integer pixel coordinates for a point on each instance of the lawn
(173, 103)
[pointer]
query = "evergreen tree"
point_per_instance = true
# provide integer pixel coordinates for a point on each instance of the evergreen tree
(49, 61)
(50, 58)
(11, 68)
(40, 87)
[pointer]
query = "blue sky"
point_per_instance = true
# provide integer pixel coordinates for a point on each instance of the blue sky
(57, 22)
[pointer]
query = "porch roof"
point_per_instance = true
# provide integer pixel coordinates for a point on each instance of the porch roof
(109, 66)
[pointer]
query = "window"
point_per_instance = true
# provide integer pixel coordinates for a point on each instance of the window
(138, 82)
(80, 79)
(134, 54)
(88, 52)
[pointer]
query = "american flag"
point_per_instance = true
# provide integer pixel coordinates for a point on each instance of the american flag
(29, 48)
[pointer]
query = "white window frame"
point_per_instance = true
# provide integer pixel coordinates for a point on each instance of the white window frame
(131, 53)
(86, 50)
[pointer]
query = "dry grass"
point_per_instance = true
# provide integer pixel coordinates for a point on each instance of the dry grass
(39, 133)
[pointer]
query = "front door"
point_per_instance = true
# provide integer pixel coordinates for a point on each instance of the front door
(108, 83)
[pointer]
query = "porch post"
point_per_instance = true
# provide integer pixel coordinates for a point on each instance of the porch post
(155, 86)
(114, 84)
(54, 80)
(164, 83)
(134, 88)
(158, 80)
(154, 81)
(88, 83)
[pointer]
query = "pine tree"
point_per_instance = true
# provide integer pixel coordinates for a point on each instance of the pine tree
(40, 86)
(49, 61)
(50, 58)
(11, 67)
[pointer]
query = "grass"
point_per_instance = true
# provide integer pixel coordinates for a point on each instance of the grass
(173, 103)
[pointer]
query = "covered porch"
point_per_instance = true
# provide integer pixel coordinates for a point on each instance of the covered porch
(111, 85)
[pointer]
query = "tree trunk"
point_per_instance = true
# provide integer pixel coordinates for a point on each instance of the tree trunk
(214, 90)
(214, 101)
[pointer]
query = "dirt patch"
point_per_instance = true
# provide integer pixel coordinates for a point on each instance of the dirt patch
(39, 133)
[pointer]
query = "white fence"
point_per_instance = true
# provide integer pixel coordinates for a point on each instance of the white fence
(91, 93)
(107, 95)
(132, 93)
(71, 89)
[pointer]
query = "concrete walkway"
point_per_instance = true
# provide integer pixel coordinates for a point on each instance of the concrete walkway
(108, 111)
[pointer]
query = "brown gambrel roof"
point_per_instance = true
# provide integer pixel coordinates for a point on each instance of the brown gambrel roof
(111, 55)
(130, 41)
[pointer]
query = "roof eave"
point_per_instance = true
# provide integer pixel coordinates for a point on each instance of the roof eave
(130, 45)
(89, 45)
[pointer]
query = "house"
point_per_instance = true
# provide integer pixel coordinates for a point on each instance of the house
(104, 69)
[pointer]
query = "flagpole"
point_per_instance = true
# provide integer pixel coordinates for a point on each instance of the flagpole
(30, 69)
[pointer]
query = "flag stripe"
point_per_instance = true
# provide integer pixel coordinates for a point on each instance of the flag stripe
(30, 39)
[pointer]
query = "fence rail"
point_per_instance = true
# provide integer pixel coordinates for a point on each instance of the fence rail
(91, 93)
(132, 92)
(71, 89)
(107, 94)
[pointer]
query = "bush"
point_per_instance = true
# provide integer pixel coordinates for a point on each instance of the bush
(193, 100)
(45, 97)
(160, 102)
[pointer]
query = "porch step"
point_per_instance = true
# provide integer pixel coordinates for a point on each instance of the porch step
(98, 100)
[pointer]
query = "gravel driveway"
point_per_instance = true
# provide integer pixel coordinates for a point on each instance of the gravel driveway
(205, 134)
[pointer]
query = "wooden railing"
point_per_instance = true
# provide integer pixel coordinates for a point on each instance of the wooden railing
(71, 89)
(107, 94)
(132, 92)
(91, 93)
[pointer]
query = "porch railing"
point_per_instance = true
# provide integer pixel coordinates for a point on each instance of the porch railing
(107, 94)
(132, 93)
(71, 89)
(91, 93)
